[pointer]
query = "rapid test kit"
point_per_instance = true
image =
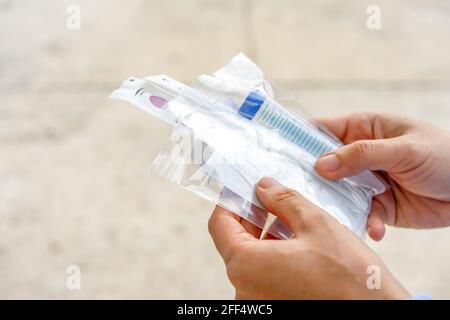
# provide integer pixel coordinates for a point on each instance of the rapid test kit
(234, 127)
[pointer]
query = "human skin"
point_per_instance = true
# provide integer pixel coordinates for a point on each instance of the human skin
(325, 260)
(413, 156)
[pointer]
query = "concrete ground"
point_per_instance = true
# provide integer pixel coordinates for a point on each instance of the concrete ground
(74, 181)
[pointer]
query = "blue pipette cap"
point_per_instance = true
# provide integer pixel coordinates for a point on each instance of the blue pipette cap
(251, 104)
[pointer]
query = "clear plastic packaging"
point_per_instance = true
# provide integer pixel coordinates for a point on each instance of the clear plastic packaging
(232, 128)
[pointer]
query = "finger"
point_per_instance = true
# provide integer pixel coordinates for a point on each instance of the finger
(363, 126)
(337, 126)
(277, 230)
(252, 229)
(352, 159)
(375, 223)
(352, 127)
(384, 212)
(268, 236)
(271, 230)
(389, 203)
(258, 217)
(287, 204)
(226, 231)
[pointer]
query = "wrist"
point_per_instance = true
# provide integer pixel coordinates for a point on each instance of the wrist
(395, 291)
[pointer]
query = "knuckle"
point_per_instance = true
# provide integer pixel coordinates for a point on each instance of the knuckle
(234, 273)
(236, 253)
(373, 117)
(285, 195)
(412, 154)
(362, 148)
(316, 219)
(310, 216)
(233, 251)
(236, 259)
(410, 148)
(210, 225)
(295, 205)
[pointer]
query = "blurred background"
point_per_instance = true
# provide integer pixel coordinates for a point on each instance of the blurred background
(74, 182)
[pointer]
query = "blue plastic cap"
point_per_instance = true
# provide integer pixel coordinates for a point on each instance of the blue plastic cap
(252, 104)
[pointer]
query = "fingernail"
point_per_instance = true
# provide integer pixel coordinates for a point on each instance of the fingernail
(329, 163)
(267, 182)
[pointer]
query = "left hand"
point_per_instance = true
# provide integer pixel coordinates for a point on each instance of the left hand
(324, 260)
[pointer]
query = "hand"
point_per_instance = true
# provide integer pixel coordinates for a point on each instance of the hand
(415, 158)
(324, 260)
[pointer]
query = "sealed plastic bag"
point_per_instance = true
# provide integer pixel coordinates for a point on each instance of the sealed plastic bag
(232, 128)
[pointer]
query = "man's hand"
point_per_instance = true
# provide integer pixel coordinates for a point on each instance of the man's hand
(324, 260)
(415, 159)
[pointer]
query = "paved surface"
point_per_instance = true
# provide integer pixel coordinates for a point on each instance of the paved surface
(74, 184)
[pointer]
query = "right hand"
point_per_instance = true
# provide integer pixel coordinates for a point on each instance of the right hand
(415, 159)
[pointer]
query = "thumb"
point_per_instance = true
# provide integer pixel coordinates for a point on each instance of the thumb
(287, 204)
(352, 159)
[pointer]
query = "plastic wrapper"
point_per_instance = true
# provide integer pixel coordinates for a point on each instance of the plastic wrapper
(232, 128)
